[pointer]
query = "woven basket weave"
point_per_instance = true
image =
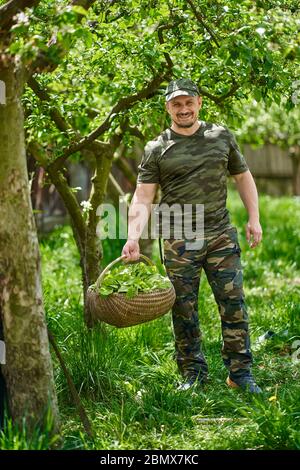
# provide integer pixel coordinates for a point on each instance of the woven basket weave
(121, 312)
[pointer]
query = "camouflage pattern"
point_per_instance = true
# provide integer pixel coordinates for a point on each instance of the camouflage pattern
(220, 259)
(182, 86)
(193, 170)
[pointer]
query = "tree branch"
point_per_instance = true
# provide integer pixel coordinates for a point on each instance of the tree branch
(126, 169)
(61, 122)
(42, 61)
(86, 4)
(233, 89)
(161, 41)
(123, 104)
(96, 146)
(219, 99)
(132, 130)
(81, 411)
(113, 182)
(202, 22)
(99, 180)
(38, 153)
(55, 115)
(64, 190)
(11, 8)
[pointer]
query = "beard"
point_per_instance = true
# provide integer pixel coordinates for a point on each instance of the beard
(186, 125)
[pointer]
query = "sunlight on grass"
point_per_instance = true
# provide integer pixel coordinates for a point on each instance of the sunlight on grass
(127, 377)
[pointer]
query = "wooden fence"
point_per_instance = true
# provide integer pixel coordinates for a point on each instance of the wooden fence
(272, 169)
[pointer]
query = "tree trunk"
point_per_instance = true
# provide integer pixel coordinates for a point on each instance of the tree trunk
(28, 369)
(90, 264)
(92, 255)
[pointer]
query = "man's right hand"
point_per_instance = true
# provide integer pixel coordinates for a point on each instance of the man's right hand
(131, 250)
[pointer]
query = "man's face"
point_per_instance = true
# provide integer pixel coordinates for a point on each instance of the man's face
(184, 110)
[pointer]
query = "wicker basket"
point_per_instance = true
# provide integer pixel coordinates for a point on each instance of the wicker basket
(121, 312)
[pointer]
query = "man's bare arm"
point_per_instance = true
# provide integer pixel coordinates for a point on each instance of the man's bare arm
(138, 216)
(247, 189)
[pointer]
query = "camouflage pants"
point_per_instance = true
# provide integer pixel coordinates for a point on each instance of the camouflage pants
(220, 259)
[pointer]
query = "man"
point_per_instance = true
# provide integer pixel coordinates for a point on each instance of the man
(190, 161)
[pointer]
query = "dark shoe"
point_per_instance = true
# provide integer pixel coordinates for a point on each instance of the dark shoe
(245, 382)
(190, 382)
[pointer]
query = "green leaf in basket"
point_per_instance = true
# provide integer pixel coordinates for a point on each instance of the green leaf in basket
(105, 291)
(132, 292)
(132, 279)
(123, 288)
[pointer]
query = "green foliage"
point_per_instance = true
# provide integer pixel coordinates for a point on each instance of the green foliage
(270, 123)
(13, 437)
(127, 377)
(281, 233)
(111, 250)
(277, 420)
(61, 307)
(243, 49)
(133, 279)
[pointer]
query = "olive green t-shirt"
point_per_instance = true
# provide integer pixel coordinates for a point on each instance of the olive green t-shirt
(193, 170)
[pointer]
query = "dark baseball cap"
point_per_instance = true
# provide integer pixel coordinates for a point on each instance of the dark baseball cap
(182, 86)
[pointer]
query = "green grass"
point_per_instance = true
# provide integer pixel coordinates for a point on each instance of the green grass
(19, 437)
(126, 377)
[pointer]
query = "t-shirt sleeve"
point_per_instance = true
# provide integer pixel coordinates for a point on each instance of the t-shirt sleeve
(148, 170)
(236, 161)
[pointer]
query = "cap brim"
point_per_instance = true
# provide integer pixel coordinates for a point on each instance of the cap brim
(180, 93)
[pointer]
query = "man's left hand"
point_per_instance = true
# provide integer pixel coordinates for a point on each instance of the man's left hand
(253, 233)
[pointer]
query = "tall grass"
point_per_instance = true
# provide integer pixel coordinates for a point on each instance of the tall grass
(127, 377)
(19, 437)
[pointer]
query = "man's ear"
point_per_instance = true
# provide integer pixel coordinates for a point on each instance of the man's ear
(167, 107)
(200, 101)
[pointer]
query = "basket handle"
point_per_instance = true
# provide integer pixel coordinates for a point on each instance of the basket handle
(109, 266)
